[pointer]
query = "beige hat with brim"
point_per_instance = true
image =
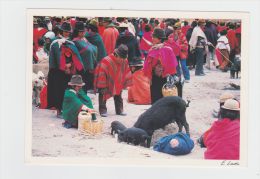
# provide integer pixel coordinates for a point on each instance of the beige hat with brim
(231, 104)
(225, 96)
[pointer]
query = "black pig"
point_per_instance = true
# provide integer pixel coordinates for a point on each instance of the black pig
(116, 127)
(163, 112)
(134, 136)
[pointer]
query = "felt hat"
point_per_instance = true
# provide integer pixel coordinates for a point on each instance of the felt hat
(65, 26)
(201, 22)
(123, 25)
(231, 104)
(47, 18)
(107, 19)
(159, 33)
(213, 21)
(122, 51)
(177, 25)
(225, 96)
(80, 26)
(93, 25)
(76, 80)
(93, 22)
(49, 35)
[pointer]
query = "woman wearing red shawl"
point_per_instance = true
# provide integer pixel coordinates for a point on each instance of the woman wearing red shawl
(160, 63)
(223, 138)
(112, 75)
(139, 92)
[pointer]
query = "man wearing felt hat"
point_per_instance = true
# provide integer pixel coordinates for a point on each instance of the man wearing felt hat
(93, 36)
(88, 53)
(75, 100)
(198, 44)
(112, 75)
(127, 38)
(139, 92)
(64, 61)
(109, 35)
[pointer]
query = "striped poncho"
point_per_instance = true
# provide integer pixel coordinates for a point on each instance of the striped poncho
(112, 75)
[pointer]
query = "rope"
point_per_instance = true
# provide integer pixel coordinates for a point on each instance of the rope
(221, 54)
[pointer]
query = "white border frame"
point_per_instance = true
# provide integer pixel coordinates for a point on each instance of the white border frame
(13, 78)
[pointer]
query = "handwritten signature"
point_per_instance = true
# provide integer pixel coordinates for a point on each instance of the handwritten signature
(229, 163)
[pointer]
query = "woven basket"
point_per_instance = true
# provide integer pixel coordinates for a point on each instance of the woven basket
(87, 125)
(169, 91)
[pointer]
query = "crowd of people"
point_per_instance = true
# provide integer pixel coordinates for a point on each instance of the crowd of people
(105, 55)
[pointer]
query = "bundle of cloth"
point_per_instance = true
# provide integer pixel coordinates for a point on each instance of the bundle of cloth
(175, 144)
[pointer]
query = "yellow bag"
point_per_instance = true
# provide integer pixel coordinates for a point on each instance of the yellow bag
(169, 91)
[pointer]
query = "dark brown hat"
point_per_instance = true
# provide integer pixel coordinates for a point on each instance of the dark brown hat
(159, 33)
(76, 80)
(201, 22)
(122, 51)
(66, 27)
(80, 26)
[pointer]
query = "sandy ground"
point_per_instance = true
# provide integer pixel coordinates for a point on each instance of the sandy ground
(50, 139)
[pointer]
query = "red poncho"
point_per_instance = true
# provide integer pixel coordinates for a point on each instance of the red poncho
(232, 39)
(143, 44)
(139, 92)
(109, 38)
(223, 140)
(112, 75)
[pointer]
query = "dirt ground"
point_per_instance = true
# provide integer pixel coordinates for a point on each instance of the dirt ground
(50, 139)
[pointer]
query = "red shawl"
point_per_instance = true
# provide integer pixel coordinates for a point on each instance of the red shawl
(67, 52)
(163, 55)
(222, 140)
(113, 76)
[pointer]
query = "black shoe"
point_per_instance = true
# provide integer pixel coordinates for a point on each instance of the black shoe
(202, 74)
(121, 114)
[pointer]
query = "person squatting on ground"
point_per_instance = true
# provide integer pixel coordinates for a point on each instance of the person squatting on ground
(112, 75)
(64, 61)
(160, 63)
(75, 100)
(139, 92)
(223, 138)
(198, 43)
